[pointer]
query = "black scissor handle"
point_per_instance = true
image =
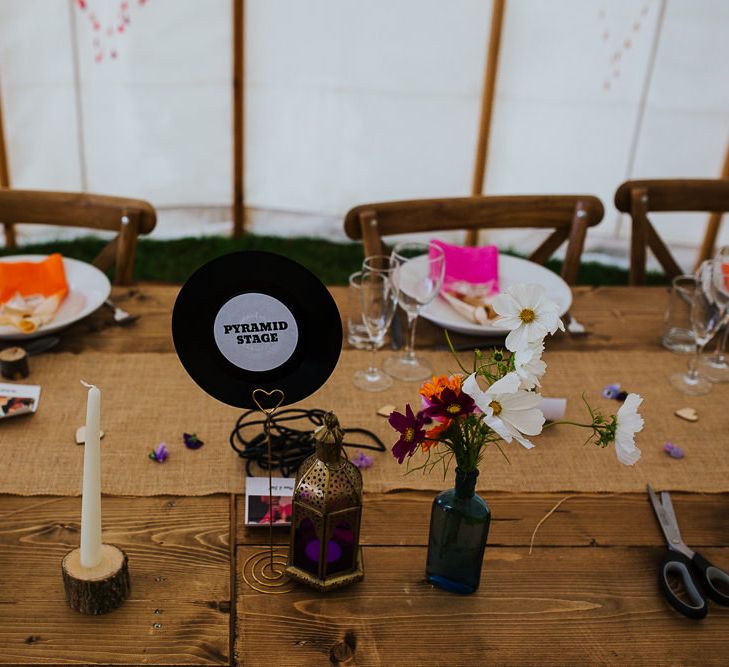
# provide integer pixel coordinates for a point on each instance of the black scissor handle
(714, 580)
(678, 565)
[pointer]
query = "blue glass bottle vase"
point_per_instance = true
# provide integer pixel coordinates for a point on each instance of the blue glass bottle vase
(459, 527)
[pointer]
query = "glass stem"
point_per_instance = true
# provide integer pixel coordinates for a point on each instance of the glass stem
(372, 370)
(693, 373)
(410, 349)
(721, 348)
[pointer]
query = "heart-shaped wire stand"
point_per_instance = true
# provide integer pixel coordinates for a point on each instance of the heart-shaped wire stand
(264, 571)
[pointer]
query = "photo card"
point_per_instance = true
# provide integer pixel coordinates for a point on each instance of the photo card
(18, 399)
(261, 512)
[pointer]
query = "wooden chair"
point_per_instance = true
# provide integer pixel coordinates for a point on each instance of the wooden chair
(128, 217)
(568, 215)
(638, 198)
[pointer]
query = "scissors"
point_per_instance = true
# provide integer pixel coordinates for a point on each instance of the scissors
(696, 573)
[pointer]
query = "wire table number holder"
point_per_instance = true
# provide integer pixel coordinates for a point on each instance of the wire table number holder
(263, 571)
(215, 330)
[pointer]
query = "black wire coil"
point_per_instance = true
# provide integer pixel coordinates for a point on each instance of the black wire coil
(289, 446)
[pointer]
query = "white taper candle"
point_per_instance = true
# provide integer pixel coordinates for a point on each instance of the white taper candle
(91, 500)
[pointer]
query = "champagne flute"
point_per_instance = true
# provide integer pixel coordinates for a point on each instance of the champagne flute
(417, 277)
(378, 305)
(716, 366)
(707, 313)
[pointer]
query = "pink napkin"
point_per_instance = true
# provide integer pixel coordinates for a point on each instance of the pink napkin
(474, 266)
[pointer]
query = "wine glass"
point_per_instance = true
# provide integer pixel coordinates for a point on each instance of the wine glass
(379, 264)
(357, 335)
(707, 313)
(716, 365)
(417, 278)
(678, 336)
(378, 305)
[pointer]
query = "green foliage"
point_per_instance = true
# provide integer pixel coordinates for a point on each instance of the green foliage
(173, 261)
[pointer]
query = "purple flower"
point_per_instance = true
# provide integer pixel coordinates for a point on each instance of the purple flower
(411, 433)
(159, 453)
(673, 450)
(192, 441)
(361, 460)
(613, 391)
(424, 417)
(610, 390)
(450, 405)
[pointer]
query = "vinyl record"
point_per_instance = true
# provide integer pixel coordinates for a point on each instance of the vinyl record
(256, 320)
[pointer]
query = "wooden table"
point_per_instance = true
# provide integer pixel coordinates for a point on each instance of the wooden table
(617, 318)
(587, 594)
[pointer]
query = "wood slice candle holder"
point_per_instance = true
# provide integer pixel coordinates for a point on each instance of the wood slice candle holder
(14, 363)
(100, 589)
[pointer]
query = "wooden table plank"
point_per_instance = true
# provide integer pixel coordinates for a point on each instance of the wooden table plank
(560, 606)
(184, 633)
(402, 519)
(179, 609)
(150, 333)
(618, 318)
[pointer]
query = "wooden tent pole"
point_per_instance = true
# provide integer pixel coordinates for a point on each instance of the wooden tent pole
(10, 240)
(708, 245)
(238, 111)
(487, 105)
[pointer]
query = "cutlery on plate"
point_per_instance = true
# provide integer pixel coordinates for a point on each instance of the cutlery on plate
(575, 328)
(41, 345)
(121, 316)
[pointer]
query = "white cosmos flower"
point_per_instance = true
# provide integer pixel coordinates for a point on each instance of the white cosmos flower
(508, 410)
(529, 366)
(529, 314)
(629, 423)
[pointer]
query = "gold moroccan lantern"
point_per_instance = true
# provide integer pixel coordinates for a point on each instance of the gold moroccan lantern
(327, 509)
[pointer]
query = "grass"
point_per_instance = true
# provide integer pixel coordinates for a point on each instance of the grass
(175, 260)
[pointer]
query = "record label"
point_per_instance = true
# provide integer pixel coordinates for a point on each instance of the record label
(256, 332)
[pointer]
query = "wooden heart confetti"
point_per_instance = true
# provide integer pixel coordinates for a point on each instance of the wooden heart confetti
(386, 410)
(689, 414)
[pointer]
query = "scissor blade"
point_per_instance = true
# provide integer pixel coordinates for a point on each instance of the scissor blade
(667, 504)
(677, 544)
(667, 521)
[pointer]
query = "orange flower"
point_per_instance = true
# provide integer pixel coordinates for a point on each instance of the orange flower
(434, 434)
(432, 388)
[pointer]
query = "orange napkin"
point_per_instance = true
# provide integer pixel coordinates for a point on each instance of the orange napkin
(31, 292)
(46, 278)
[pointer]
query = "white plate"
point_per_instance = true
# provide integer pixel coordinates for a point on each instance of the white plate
(512, 270)
(88, 288)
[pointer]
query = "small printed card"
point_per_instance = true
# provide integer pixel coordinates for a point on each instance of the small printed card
(259, 511)
(18, 399)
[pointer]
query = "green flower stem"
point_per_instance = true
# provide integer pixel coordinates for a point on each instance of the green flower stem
(592, 426)
(603, 431)
(453, 351)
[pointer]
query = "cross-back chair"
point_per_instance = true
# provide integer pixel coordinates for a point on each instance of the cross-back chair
(568, 215)
(127, 217)
(638, 198)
